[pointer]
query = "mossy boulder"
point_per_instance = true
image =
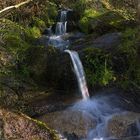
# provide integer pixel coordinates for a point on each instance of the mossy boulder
(101, 22)
(50, 67)
(118, 65)
(74, 122)
(124, 125)
(20, 126)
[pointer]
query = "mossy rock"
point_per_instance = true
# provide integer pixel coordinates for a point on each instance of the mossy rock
(101, 22)
(24, 127)
(49, 67)
(119, 67)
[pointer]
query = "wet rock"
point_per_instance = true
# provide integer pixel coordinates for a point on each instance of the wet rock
(108, 41)
(124, 125)
(19, 126)
(71, 15)
(71, 26)
(72, 123)
(75, 36)
(47, 31)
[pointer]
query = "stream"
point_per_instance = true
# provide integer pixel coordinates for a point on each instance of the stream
(101, 109)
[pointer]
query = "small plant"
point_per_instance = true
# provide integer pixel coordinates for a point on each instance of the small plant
(97, 67)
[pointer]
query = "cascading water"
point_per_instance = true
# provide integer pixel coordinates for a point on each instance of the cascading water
(103, 108)
(63, 16)
(60, 30)
(61, 27)
(80, 74)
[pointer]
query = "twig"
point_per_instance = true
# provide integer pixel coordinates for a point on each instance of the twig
(6, 10)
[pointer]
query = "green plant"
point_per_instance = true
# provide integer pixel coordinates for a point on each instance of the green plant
(39, 23)
(129, 77)
(97, 67)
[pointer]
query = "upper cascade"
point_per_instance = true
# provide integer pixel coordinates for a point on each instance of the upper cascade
(61, 27)
(63, 16)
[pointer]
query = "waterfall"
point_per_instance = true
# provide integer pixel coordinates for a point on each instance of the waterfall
(63, 16)
(58, 42)
(80, 74)
(61, 27)
(56, 39)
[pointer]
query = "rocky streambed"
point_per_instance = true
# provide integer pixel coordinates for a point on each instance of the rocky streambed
(99, 118)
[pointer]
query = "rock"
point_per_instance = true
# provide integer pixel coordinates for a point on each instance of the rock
(70, 122)
(47, 31)
(108, 41)
(19, 126)
(104, 23)
(71, 26)
(75, 36)
(42, 41)
(50, 68)
(124, 125)
(71, 15)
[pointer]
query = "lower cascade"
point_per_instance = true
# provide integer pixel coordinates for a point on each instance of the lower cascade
(80, 74)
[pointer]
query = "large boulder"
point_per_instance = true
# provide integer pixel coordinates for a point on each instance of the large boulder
(70, 122)
(18, 126)
(124, 125)
(50, 67)
(107, 41)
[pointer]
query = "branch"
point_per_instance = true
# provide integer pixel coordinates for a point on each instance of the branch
(6, 10)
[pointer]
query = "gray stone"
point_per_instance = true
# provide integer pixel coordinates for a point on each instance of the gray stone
(70, 122)
(108, 41)
(124, 125)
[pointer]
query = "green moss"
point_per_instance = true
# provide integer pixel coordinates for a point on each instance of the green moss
(97, 67)
(95, 21)
(129, 53)
(39, 23)
(34, 32)
(44, 126)
(79, 6)
(85, 20)
(49, 14)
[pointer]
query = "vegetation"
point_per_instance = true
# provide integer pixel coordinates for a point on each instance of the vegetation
(98, 68)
